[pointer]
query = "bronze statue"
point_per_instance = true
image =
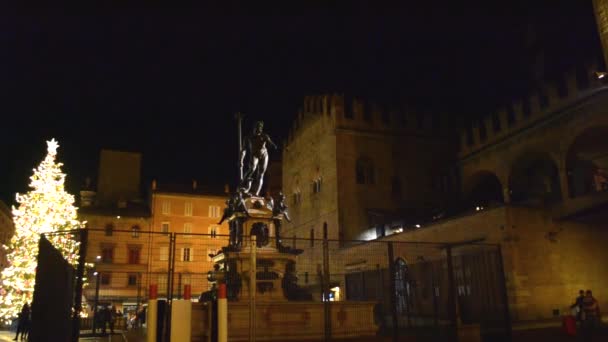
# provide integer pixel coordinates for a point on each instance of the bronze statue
(279, 208)
(236, 204)
(227, 211)
(255, 145)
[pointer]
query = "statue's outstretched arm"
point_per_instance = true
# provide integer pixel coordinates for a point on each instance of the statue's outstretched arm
(270, 142)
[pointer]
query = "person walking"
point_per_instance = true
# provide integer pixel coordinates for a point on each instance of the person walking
(23, 317)
(112, 317)
(590, 317)
(577, 307)
(104, 315)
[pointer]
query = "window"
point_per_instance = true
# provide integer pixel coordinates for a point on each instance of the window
(187, 254)
(188, 230)
(214, 211)
(164, 227)
(133, 254)
(214, 230)
(135, 231)
(364, 170)
(166, 207)
(188, 209)
(211, 253)
(109, 229)
(105, 279)
(297, 197)
(312, 237)
(107, 254)
(316, 186)
(162, 284)
(132, 280)
(164, 253)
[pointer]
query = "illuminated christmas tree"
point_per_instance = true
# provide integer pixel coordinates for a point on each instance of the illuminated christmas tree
(46, 208)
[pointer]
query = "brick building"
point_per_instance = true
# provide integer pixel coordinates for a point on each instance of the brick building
(118, 220)
(193, 214)
(530, 178)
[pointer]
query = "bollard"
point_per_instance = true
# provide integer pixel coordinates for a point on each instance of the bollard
(152, 314)
(181, 320)
(222, 314)
(187, 291)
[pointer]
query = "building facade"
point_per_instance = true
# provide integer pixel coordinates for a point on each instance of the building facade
(119, 223)
(530, 178)
(354, 165)
(192, 214)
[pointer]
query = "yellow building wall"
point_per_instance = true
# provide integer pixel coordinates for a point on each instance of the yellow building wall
(199, 241)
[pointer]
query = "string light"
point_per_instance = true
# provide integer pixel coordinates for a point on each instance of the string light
(46, 208)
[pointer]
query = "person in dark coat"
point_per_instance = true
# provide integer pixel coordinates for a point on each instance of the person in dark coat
(105, 317)
(23, 325)
(578, 304)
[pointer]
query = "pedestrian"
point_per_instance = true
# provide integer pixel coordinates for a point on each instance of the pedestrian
(23, 317)
(577, 307)
(26, 326)
(112, 318)
(590, 317)
(104, 314)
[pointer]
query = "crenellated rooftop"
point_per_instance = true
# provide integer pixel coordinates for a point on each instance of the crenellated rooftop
(354, 113)
(522, 113)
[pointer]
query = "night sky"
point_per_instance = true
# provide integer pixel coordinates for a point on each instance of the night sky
(166, 82)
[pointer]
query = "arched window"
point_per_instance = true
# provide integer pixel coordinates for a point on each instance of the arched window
(402, 286)
(109, 230)
(364, 171)
(534, 179)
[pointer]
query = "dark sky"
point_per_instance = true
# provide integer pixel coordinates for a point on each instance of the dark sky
(166, 82)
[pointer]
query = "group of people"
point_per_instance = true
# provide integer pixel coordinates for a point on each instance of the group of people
(108, 316)
(587, 312)
(23, 325)
(105, 316)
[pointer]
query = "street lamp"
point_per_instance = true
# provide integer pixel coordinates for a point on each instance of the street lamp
(97, 277)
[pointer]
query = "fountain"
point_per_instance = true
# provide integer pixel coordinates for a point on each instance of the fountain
(282, 310)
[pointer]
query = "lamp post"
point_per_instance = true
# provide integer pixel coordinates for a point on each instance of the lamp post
(95, 303)
(97, 276)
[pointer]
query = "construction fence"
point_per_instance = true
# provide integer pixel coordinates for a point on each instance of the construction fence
(308, 289)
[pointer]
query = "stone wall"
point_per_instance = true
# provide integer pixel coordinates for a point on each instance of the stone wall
(546, 262)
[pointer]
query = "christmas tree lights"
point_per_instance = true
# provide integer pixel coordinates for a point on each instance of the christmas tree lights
(46, 208)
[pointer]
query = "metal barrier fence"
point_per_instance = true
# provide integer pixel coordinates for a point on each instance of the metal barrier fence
(315, 289)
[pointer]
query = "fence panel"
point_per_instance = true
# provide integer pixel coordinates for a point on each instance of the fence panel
(314, 288)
